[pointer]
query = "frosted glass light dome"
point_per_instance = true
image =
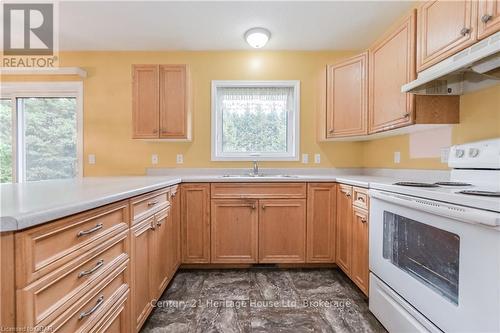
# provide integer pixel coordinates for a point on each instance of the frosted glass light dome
(257, 37)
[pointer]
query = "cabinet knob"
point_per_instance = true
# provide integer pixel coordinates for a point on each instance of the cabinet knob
(330, 130)
(407, 115)
(363, 220)
(155, 131)
(486, 17)
(465, 31)
(263, 206)
(361, 199)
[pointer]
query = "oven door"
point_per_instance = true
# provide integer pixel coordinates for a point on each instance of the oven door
(439, 258)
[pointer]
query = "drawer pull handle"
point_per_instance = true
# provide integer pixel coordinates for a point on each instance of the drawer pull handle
(152, 203)
(87, 232)
(253, 206)
(97, 305)
(361, 199)
(486, 17)
(98, 265)
(363, 220)
(347, 194)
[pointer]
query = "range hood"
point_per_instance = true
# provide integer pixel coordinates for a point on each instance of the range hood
(474, 68)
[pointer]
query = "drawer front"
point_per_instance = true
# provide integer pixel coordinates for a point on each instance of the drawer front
(360, 197)
(346, 189)
(50, 295)
(43, 249)
(258, 190)
(148, 204)
(88, 311)
(116, 320)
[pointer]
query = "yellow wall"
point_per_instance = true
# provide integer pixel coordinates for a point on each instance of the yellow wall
(479, 119)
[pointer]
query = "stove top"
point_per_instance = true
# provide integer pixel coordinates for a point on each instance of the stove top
(416, 184)
(459, 184)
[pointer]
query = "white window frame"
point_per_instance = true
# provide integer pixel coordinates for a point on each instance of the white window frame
(293, 136)
(14, 90)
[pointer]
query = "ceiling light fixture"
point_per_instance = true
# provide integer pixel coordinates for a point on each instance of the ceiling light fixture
(257, 37)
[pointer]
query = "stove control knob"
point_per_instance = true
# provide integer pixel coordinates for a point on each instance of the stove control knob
(459, 153)
(473, 152)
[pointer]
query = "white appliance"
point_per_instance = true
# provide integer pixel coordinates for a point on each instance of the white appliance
(435, 250)
(476, 67)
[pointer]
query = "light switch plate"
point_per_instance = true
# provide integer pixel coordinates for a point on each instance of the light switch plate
(91, 158)
(180, 159)
(397, 157)
(305, 158)
(154, 159)
(317, 158)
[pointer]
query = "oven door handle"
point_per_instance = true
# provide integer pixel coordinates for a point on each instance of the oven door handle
(460, 213)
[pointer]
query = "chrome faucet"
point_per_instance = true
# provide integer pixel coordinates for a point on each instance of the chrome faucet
(255, 171)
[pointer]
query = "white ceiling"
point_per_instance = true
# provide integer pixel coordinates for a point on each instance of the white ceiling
(186, 25)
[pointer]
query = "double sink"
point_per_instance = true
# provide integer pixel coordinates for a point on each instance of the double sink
(259, 176)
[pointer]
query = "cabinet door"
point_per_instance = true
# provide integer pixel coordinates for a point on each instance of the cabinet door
(392, 64)
(142, 266)
(282, 230)
(321, 222)
(488, 18)
(176, 225)
(444, 28)
(173, 102)
(234, 230)
(347, 97)
(163, 255)
(359, 267)
(195, 219)
(344, 228)
(145, 101)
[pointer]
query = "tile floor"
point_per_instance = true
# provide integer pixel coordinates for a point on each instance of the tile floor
(262, 300)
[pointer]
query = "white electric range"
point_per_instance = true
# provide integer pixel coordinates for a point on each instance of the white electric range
(435, 247)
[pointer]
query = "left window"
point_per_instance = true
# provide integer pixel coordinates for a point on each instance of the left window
(40, 131)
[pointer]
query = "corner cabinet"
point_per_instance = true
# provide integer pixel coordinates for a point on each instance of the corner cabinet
(347, 97)
(161, 106)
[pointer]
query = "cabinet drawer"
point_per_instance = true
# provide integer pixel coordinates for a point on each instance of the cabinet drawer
(345, 189)
(258, 190)
(116, 320)
(148, 204)
(360, 197)
(50, 295)
(90, 308)
(43, 249)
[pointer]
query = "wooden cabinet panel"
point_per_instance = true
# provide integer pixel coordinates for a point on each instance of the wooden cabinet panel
(176, 226)
(360, 197)
(145, 101)
(117, 319)
(234, 226)
(347, 97)
(195, 227)
(392, 64)
(142, 271)
(344, 227)
(163, 259)
(444, 28)
(359, 264)
(149, 203)
(488, 18)
(174, 102)
(7, 279)
(258, 190)
(321, 222)
(282, 230)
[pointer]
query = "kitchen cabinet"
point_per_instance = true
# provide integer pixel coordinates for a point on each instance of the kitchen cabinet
(282, 230)
(321, 202)
(488, 18)
(234, 231)
(344, 228)
(359, 261)
(161, 106)
(195, 223)
(347, 97)
(176, 227)
(391, 65)
(163, 245)
(444, 28)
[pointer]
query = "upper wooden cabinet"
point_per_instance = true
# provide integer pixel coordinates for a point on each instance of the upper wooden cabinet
(347, 96)
(488, 18)
(444, 28)
(161, 102)
(392, 64)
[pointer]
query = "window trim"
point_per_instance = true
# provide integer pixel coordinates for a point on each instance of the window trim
(14, 90)
(293, 137)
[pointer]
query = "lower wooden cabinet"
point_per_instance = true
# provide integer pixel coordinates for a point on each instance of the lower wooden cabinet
(359, 263)
(163, 255)
(195, 226)
(321, 202)
(282, 230)
(344, 227)
(234, 230)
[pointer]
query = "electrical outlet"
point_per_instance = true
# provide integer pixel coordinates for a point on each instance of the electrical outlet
(445, 153)
(154, 159)
(317, 158)
(180, 159)
(397, 157)
(91, 158)
(305, 158)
